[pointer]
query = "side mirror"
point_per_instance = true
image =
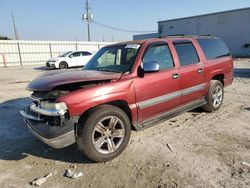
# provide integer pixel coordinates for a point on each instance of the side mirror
(70, 56)
(150, 67)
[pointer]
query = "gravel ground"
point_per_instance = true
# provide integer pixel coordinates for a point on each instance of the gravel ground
(195, 149)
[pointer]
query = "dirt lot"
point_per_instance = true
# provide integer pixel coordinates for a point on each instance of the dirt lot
(195, 149)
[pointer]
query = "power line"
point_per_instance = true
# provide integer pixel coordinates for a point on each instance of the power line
(120, 29)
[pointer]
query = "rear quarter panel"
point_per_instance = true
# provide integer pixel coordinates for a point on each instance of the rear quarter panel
(218, 66)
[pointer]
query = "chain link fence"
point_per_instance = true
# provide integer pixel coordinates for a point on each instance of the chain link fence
(22, 52)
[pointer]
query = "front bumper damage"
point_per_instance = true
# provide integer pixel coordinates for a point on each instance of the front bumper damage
(55, 136)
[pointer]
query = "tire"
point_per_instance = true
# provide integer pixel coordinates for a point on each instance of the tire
(99, 139)
(63, 65)
(214, 97)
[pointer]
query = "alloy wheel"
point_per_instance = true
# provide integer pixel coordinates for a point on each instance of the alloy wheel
(108, 134)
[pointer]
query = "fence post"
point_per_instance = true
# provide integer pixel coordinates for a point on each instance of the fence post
(50, 50)
(19, 52)
(76, 46)
(98, 46)
(4, 61)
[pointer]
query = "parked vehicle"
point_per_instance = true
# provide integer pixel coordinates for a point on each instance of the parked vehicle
(70, 59)
(130, 84)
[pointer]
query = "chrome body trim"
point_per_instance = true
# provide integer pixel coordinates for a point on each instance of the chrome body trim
(158, 100)
(169, 114)
(28, 116)
(170, 96)
(192, 89)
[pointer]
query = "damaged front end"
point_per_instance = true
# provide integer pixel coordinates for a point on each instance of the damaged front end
(49, 120)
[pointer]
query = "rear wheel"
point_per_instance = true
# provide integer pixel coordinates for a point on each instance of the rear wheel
(63, 65)
(104, 133)
(215, 96)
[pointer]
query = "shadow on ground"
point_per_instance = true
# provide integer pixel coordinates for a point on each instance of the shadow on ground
(44, 68)
(241, 73)
(17, 142)
(248, 108)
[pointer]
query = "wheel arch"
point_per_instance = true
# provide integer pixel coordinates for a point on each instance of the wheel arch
(220, 77)
(122, 104)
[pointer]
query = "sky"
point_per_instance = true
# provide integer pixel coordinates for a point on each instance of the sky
(61, 19)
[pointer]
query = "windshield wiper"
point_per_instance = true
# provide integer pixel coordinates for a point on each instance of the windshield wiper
(107, 70)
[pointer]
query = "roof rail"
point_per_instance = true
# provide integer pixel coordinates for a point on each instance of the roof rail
(185, 36)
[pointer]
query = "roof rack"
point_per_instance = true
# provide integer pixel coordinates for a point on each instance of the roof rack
(187, 36)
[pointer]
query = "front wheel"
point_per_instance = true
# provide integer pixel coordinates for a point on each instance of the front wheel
(63, 65)
(104, 133)
(215, 96)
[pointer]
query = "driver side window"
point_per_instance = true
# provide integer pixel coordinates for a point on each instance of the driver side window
(76, 54)
(159, 54)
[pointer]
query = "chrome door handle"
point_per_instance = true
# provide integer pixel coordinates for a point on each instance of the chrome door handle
(175, 76)
(200, 71)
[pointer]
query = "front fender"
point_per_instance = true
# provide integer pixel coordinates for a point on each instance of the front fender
(82, 100)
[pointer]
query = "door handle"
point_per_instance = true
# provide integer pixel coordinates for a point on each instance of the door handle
(200, 71)
(175, 76)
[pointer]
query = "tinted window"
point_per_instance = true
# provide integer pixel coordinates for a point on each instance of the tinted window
(65, 54)
(214, 48)
(86, 53)
(186, 53)
(76, 54)
(159, 54)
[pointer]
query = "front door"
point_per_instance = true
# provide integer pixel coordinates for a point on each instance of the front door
(157, 92)
(75, 58)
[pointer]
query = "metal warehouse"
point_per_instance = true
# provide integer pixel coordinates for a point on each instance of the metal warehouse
(232, 26)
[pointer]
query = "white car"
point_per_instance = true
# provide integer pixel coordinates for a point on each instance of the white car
(70, 59)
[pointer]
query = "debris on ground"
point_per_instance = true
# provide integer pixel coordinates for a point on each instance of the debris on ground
(59, 162)
(73, 166)
(173, 120)
(169, 147)
(39, 181)
(72, 174)
(246, 164)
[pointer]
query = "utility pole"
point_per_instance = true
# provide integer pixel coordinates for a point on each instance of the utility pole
(14, 26)
(88, 17)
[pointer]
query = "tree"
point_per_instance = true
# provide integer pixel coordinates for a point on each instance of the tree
(4, 38)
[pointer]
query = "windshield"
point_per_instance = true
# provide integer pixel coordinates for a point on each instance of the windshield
(118, 58)
(65, 54)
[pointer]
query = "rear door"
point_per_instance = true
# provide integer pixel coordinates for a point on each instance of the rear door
(84, 58)
(191, 70)
(157, 92)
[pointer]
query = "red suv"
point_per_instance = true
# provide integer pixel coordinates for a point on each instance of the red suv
(130, 84)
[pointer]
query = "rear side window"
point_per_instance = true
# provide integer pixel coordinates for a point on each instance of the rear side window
(187, 53)
(86, 53)
(214, 48)
(159, 54)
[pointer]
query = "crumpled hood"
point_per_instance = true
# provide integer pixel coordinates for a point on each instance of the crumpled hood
(48, 81)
